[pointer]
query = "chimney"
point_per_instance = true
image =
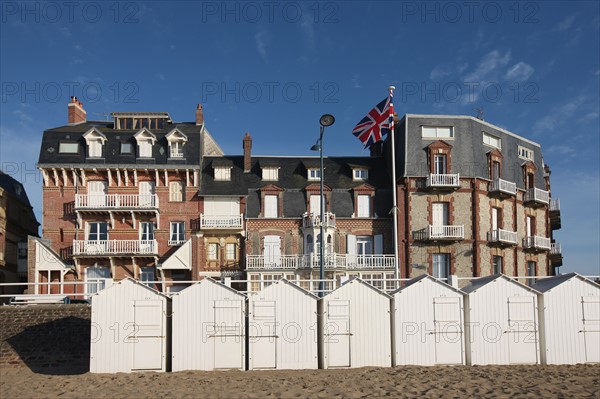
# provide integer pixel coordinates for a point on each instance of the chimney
(76, 113)
(247, 153)
(199, 115)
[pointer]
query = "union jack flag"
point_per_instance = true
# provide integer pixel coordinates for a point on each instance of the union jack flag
(375, 125)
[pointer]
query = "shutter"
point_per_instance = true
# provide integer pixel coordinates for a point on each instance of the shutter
(351, 244)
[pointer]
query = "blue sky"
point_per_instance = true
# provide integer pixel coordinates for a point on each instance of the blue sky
(272, 68)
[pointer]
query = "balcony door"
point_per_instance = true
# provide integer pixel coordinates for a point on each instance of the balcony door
(495, 170)
(97, 238)
(146, 237)
(494, 219)
(272, 251)
(315, 205)
(439, 218)
(147, 192)
(97, 191)
(221, 212)
(439, 164)
(530, 226)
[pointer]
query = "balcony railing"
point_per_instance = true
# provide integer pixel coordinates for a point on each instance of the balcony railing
(536, 242)
(311, 261)
(314, 219)
(175, 243)
(555, 248)
(115, 247)
(554, 204)
(443, 180)
(176, 154)
(221, 221)
(116, 201)
(503, 186)
(453, 232)
(537, 196)
(502, 236)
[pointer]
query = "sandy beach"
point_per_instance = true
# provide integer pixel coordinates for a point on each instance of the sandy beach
(579, 381)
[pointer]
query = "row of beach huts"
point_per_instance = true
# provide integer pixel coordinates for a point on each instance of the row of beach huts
(210, 326)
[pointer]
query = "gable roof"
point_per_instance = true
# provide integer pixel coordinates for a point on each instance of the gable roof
(284, 281)
(129, 280)
(358, 280)
(476, 284)
(546, 284)
(413, 282)
(208, 280)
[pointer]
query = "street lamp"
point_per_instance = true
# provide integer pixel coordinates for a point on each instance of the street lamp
(325, 120)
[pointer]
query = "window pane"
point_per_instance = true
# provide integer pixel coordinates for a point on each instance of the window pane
(125, 148)
(440, 265)
(68, 148)
(230, 252)
(212, 251)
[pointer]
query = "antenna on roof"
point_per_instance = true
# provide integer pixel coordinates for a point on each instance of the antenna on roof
(480, 112)
(106, 115)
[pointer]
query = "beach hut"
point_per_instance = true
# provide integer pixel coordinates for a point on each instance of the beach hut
(428, 323)
(355, 327)
(208, 327)
(130, 324)
(501, 322)
(569, 312)
(282, 328)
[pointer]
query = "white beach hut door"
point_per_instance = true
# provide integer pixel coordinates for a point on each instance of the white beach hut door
(591, 328)
(448, 332)
(264, 347)
(228, 338)
(337, 333)
(522, 330)
(147, 337)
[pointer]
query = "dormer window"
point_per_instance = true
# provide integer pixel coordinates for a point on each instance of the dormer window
(314, 174)
(94, 140)
(223, 173)
(176, 140)
(270, 173)
(145, 140)
(360, 174)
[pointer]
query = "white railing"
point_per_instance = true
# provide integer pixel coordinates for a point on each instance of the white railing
(537, 195)
(500, 235)
(115, 201)
(443, 180)
(221, 221)
(536, 242)
(175, 154)
(451, 232)
(503, 186)
(554, 204)
(314, 219)
(555, 248)
(311, 261)
(115, 247)
(175, 243)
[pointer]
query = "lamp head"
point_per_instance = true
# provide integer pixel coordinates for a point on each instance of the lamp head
(316, 147)
(326, 120)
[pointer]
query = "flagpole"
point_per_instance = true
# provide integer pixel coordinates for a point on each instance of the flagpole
(394, 196)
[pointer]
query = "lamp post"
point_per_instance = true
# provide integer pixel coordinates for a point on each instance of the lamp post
(325, 120)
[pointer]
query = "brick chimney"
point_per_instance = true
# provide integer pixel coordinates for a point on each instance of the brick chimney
(247, 153)
(76, 113)
(199, 115)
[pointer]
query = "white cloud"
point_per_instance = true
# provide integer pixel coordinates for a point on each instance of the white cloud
(559, 115)
(77, 47)
(561, 149)
(488, 66)
(261, 38)
(565, 24)
(445, 70)
(355, 82)
(519, 72)
(159, 76)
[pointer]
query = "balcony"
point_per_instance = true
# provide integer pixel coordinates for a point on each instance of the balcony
(115, 201)
(556, 254)
(502, 237)
(555, 213)
(536, 243)
(441, 233)
(536, 197)
(436, 180)
(502, 187)
(216, 222)
(115, 247)
(311, 261)
(175, 154)
(176, 243)
(314, 219)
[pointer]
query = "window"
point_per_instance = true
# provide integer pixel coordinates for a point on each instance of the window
(68, 148)
(360, 174)
(531, 271)
(223, 173)
(97, 231)
(126, 148)
(145, 148)
(176, 191)
(364, 206)
(529, 180)
(96, 278)
(495, 170)
(230, 251)
(314, 174)
(315, 205)
(364, 245)
(213, 251)
(530, 226)
(437, 132)
(271, 174)
(441, 265)
(271, 206)
(177, 233)
(497, 264)
(439, 164)
(525, 153)
(146, 231)
(492, 141)
(94, 148)
(496, 218)
(176, 149)
(147, 275)
(375, 279)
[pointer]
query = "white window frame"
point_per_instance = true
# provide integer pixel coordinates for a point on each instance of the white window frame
(98, 280)
(146, 231)
(231, 251)
(212, 251)
(360, 174)
(176, 149)
(223, 173)
(147, 275)
(176, 191)
(525, 153)
(98, 233)
(65, 147)
(440, 265)
(94, 148)
(314, 174)
(145, 148)
(364, 245)
(437, 132)
(177, 233)
(497, 266)
(270, 173)
(363, 206)
(491, 140)
(271, 206)
(440, 165)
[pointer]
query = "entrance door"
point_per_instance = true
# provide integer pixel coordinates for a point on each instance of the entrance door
(264, 339)
(148, 338)
(97, 191)
(337, 333)
(228, 337)
(147, 194)
(591, 328)
(447, 320)
(272, 251)
(522, 330)
(439, 218)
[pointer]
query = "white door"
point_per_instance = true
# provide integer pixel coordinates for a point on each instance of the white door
(439, 218)
(264, 338)
(522, 330)
(591, 328)
(272, 251)
(97, 191)
(147, 194)
(337, 333)
(439, 164)
(228, 337)
(448, 332)
(315, 205)
(148, 338)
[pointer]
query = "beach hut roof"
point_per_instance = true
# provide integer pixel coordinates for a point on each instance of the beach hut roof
(422, 277)
(209, 280)
(289, 283)
(476, 284)
(358, 280)
(125, 281)
(546, 284)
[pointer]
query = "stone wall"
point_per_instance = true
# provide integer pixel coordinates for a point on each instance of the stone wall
(48, 339)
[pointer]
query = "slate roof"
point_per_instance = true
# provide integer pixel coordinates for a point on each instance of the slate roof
(14, 187)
